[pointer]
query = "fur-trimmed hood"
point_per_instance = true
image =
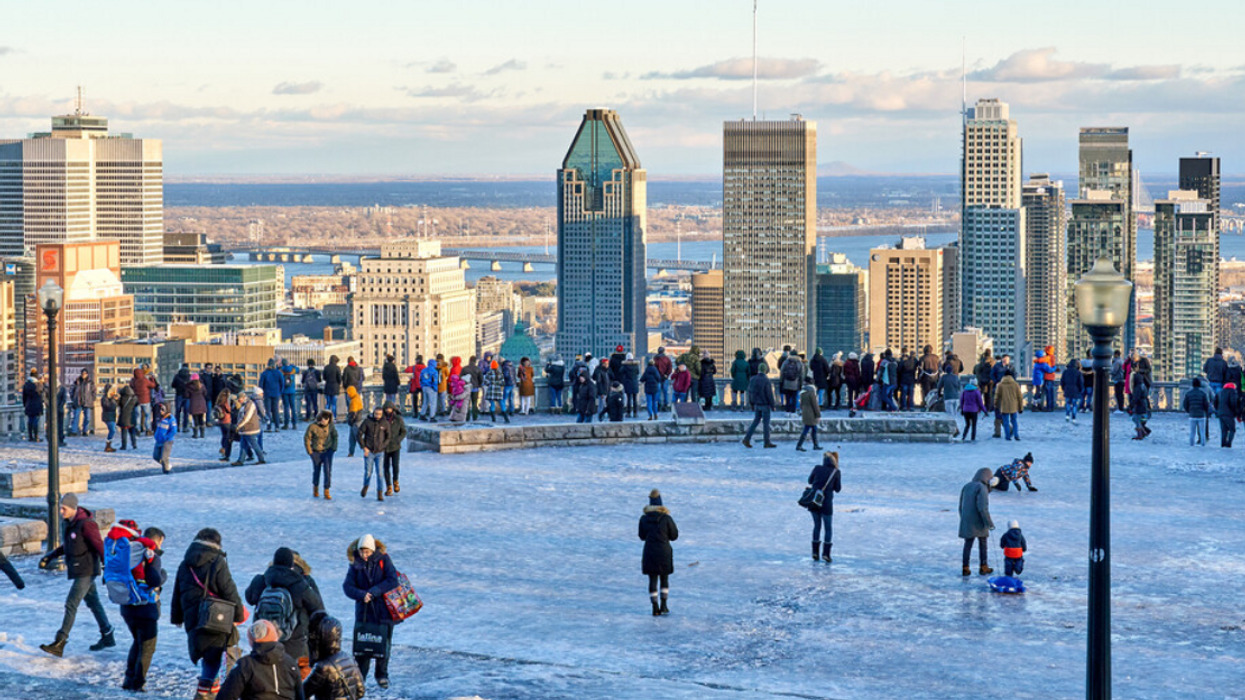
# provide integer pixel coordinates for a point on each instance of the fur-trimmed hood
(649, 509)
(353, 549)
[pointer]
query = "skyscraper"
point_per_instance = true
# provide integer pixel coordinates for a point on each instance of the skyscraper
(602, 224)
(905, 296)
(1046, 272)
(1186, 275)
(79, 183)
(1105, 166)
(707, 313)
(841, 312)
(769, 233)
(992, 234)
(1201, 174)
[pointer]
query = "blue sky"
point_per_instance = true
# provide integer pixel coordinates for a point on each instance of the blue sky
(478, 87)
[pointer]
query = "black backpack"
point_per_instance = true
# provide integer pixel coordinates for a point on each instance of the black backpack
(277, 606)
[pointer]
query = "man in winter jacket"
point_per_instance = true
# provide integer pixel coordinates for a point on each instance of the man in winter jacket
(393, 450)
(664, 365)
(332, 376)
(83, 549)
(181, 399)
(949, 387)
(289, 387)
(320, 441)
(761, 397)
(142, 384)
(273, 383)
(1197, 403)
(336, 675)
(1228, 408)
(1073, 384)
(352, 375)
(313, 385)
(1008, 403)
(820, 367)
(83, 396)
(32, 404)
(555, 379)
(929, 370)
(304, 602)
(975, 521)
(1216, 369)
(374, 439)
(267, 673)
(429, 384)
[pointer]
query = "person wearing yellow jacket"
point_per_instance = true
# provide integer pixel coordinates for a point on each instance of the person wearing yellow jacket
(443, 387)
(354, 415)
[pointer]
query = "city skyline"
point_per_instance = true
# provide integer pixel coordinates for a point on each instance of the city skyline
(339, 93)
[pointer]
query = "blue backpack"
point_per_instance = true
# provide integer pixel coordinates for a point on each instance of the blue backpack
(121, 555)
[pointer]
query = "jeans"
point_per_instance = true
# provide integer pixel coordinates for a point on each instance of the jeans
(905, 396)
(354, 436)
(272, 406)
(330, 404)
(249, 446)
(32, 428)
(888, 398)
(555, 399)
(584, 418)
(144, 631)
(1197, 431)
(112, 430)
(181, 411)
(1010, 428)
(1069, 407)
(951, 407)
(371, 462)
(1087, 399)
(680, 396)
(289, 411)
(761, 414)
(392, 398)
(663, 391)
(507, 398)
(1227, 431)
(430, 402)
(981, 547)
(322, 461)
(1049, 388)
(391, 464)
(822, 519)
(83, 589)
(87, 415)
(144, 417)
(652, 402)
(311, 405)
(804, 433)
(1013, 567)
(209, 666)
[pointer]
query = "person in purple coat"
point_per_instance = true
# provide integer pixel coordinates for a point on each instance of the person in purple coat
(971, 403)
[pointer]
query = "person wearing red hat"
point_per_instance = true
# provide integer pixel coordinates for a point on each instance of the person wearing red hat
(1228, 408)
(616, 364)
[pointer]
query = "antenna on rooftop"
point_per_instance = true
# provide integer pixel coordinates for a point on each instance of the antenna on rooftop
(964, 78)
(754, 60)
(78, 103)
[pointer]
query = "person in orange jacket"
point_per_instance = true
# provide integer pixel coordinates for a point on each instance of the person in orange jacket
(1051, 377)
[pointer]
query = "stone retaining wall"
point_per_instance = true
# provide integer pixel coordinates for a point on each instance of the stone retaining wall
(23, 526)
(453, 439)
(32, 482)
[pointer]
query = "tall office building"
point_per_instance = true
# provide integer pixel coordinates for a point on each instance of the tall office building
(1097, 227)
(1201, 174)
(1105, 166)
(991, 268)
(95, 308)
(1046, 272)
(1186, 276)
(229, 298)
(841, 307)
(905, 296)
(602, 224)
(950, 289)
(412, 301)
(79, 183)
(769, 234)
(11, 409)
(707, 314)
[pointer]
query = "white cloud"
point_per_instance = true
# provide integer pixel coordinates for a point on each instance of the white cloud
(512, 64)
(306, 88)
(1040, 65)
(442, 66)
(741, 69)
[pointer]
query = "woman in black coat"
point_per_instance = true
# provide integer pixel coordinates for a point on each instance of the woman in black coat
(652, 387)
(658, 530)
(371, 575)
(204, 566)
(584, 398)
(826, 477)
(706, 386)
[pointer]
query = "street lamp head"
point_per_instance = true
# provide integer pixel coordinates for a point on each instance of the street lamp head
(1103, 296)
(51, 297)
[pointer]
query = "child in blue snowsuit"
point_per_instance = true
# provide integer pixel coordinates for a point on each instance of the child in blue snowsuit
(166, 430)
(1014, 548)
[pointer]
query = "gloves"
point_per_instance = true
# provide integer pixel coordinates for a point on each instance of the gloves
(43, 562)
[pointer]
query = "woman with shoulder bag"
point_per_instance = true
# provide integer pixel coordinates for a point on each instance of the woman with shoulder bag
(370, 576)
(203, 595)
(825, 478)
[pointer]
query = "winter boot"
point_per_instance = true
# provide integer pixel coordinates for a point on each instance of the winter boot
(380, 495)
(769, 445)
(967, 571)
(799, 445)
(363, 493)
(664, 609)
(816, 550)
(506, 416)
(327, 497)
(106, 641)
(816, 447)
(388, 490)
(108, 446)
(315, 491)
(652, 599)
(985, 570)
(57, 648)
(396, 487)
(825, 554)
(747, 443)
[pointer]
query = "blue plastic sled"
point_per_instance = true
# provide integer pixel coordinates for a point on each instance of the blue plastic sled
(1006, 584)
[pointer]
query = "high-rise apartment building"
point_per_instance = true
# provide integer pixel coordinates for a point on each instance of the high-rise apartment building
(707, 313)
(1186, 276)
(96, 307)
(950, 288)
(769, 233)
(11, 409)
(1201, 174)
(79, 183)
(229, 298)
(412, 301)
(905, 296)
(841, 307)
(602, 228)
(992, 253)
(1105, 166)
(1046, 272)
(1097, 227)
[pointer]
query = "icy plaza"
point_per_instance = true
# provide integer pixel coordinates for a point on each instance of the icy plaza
(529, 565)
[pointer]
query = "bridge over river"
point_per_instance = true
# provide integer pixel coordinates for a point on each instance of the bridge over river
(494, 256)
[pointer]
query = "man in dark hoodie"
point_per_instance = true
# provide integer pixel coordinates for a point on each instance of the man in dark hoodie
(352, 375)
(181, 398)
(304, 601)
(975, 521)
(332, 376)
(267, 673)
(83, 550)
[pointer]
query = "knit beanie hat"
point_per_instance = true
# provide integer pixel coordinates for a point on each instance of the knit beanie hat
(1028, 458)
(283, 557)
(654, 498)
(367, 542)
(1013, 525)
(70, 500)
(618, 349)
(263, 631)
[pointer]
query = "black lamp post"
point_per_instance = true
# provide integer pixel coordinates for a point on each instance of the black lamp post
(1103, 301)
(51, 298)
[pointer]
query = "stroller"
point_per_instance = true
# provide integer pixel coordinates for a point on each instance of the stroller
(934, 402)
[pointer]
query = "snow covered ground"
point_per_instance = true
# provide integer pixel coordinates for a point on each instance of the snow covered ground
(530, 569)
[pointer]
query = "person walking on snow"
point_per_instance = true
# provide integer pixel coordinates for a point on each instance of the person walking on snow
(1073, 383)
(761, 398)
(370, 575)
(971, 405)
(975, 521)
(83, 550)
(1197, 403)
(289, 387)
(393, 450)
(374, 439)
(166, 431)
(658, 530)
(303, 598)
(810, 414)
(827, 477)
(267, 673)
(336, 675)
(320, 441)
(1228, 408)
